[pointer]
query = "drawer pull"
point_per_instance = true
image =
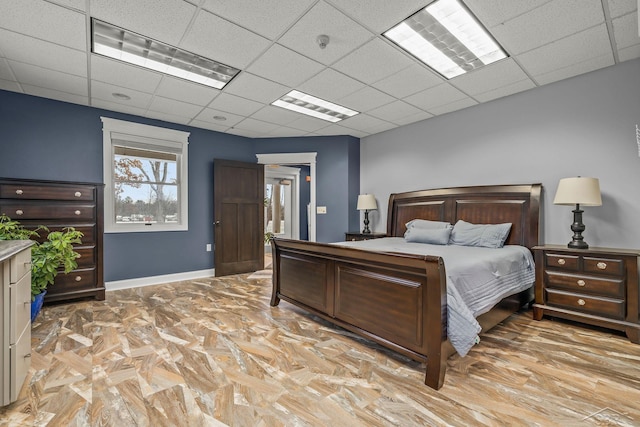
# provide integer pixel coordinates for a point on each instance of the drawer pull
(561, 261)
(581, 302)
(19, 212)
(78, 278)
(19, 192)
(77, 212)
(77, 194)
(581, 282)
(28, 355)
(27, 302)
(602, 265)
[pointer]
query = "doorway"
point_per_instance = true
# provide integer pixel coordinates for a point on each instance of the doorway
(282, 201)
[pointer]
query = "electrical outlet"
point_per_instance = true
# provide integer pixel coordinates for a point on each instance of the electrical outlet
(321, 209)
(208, 247)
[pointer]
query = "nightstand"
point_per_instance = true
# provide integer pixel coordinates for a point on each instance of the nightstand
(598, 286)
(356, 235)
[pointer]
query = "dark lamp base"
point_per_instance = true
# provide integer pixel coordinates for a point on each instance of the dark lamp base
(578, 244)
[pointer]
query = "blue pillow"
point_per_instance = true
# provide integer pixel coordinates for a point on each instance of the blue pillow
(482, 235)
(436, 236)
(426, 224)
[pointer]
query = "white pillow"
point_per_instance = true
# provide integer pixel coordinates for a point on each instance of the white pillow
(426, 224)
(482, 235)
(436, 236)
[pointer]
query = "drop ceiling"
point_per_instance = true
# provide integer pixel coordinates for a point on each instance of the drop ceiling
(44, 51)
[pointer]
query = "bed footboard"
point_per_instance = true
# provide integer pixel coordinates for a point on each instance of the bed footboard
(396, 300)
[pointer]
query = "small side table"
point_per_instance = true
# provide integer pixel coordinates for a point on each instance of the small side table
(357, 235)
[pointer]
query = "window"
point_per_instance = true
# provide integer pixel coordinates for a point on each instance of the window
(145, 176)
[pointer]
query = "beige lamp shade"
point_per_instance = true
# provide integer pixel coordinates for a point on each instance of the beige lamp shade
(367, 202)
(578, 191)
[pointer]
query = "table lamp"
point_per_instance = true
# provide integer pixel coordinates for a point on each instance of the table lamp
(578, 191)
(366, 203)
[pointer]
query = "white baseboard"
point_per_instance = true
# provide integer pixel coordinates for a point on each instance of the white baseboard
(157, 280)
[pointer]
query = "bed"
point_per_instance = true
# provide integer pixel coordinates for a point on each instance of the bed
(400, 300)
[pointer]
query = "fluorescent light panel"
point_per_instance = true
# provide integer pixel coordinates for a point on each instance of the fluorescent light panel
(126, 46)
(448, 38)
(315, 107)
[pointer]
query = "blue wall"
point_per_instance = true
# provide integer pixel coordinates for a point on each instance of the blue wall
(46, 139)
(337, 172)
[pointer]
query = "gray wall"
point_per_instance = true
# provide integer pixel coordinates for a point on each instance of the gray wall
(581, 126)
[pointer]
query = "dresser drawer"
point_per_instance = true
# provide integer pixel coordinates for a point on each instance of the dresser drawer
(20, 297)
(39, 192)
(604, 266)
(24, 211)
(87, 257)
(75, 280)
(613, 287)
(88, 231)
(562, 261)
(20, 265)
(606, 307)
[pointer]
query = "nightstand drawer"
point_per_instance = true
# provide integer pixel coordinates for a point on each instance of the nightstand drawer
(48, 192)
(562, 261)
(606, 307)
(580, 283)
(604, 266)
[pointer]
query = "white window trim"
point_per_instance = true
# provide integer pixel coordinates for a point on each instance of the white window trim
(162, 137)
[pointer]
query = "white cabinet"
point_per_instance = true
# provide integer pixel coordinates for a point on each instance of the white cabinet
(15, 314)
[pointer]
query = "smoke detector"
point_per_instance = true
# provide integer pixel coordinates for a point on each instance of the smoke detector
(322, 40)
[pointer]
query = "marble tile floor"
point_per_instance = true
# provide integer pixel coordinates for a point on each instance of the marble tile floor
(212, 352)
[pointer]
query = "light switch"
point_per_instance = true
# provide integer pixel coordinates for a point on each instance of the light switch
(321, 209)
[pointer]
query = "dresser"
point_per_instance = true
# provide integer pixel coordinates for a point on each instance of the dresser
(356, 235)
(57, 204)
(598, 286)
(15, 315)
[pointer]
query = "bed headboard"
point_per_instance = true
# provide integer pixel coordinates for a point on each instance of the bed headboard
(495, 204)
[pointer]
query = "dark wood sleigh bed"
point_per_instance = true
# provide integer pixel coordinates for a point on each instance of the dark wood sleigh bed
(399, 300)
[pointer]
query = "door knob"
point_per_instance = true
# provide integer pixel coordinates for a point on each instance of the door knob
(216, 223)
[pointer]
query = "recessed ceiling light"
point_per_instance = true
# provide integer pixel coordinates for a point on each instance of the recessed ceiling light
(315, 107)
(220, 118)
(126, 46)
(448, 38)
(121, 96)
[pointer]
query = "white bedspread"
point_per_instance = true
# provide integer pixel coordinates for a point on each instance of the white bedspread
(477, 279)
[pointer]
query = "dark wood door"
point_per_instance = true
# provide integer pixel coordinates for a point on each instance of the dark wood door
(238, 209)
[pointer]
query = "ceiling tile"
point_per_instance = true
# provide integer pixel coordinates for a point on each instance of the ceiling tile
(505, 90)
(80, 5)
(372, 62)
(114, 106)
(422, 115)
(336, 130)
(628, 53)
(626, 31)
(55, 94)
(577, 48)
(256, 125)
(454, 106)
(310, 124)
(246, 133)
(235, 104)
(379, 15)
(5, 70)
(276, 115)
(120, 74)
(365, 99)
(547, 23)
(172, 106)
(344, 33)
(208, 114)
(105, 91)
(621, 7)
(36, 76)
(208, 125)
(171, 118)
(283, 131)
(256, 88)
(269, 18)
(284, 66)
(571, 70)
(183, 90)
(491, 77)
(395, 111)
(52, 23)
(435, 97)
(44, 54)
(366, 123)
(162, 20)
(222, 41)
(408, 81)
(496, 12)
(9, 85)
(330, 85)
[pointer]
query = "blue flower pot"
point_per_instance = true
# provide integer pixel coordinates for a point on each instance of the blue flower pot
(36, 305)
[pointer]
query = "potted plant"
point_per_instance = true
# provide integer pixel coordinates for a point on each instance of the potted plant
(49, 257)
